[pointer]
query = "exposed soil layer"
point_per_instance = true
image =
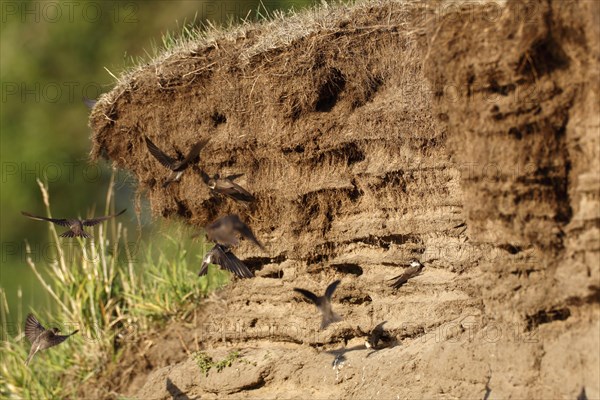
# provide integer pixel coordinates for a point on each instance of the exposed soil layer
(463, 136)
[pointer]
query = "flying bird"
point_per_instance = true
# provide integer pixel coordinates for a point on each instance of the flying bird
(413, 270)
(225, 231)
(376, 334)
(226, 186)
(323, 303)
(75, 225)
(40, 337)
(176, 166)
(222, 256)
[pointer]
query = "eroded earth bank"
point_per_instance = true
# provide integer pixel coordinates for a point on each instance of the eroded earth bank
(464, 136)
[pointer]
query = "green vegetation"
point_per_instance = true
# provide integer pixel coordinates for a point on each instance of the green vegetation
(120, 281)
(103, 290)
(205, 362)
(51, 55)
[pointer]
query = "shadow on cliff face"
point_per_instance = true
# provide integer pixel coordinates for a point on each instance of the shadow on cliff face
(361, 159)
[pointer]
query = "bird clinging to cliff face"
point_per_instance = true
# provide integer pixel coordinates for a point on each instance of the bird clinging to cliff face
(40, 337)
(226, 186)
(176, 166)
(75, 225)
(222, 256)
(323, 303)
(413, 270)
(224, 231)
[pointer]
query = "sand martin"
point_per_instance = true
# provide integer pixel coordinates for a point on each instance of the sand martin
(375, 336)
(75, 225)
(413, 270)
(323, 303)
(176, 166)
(225, 231)
(226, 186)
(40, 337)
(222, 256)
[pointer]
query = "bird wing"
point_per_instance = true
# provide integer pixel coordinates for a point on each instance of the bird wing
(159, 155)
(378, 328)
(206, 261)
(58, 221)
(331, 288)
(33, 328)
(233, 177)
(245, 231)
(96, 221)
(58, 339)
(230, 262)
(309, 295)
(204, 268)
(194, 151)
(233, 190)
(404, 277)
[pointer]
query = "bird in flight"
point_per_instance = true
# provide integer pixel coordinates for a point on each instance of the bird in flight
(226, 186)
(40, 337)
(225, 231)
(222, 256)
(176, 166)
(375, 336)
(323, 303)
(75, 225)
(413, 270)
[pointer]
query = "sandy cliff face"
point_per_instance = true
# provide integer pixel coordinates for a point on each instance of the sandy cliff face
(466, 137)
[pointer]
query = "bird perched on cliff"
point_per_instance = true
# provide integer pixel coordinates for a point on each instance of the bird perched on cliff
(176, 166)
(323, 303)
(225, 231)
(40, 337)
(75, 225)
(222, 256)
(226, 186)
(413, 270)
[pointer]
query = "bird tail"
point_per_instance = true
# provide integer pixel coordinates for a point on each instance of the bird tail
(330, 319)
(400, 280)
(71, 234)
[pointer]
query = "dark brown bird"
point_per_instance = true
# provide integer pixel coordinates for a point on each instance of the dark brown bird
(226, 186)
(413, 270)
(375, 336)
(75, 225)
(222, 256)
(323, 303)
(176, 166)
(225, 231)
(40, 337)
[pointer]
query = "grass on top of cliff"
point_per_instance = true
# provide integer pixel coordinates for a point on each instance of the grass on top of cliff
(107, 290)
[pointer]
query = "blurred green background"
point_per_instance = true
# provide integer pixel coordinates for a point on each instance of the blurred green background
(51, 55)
